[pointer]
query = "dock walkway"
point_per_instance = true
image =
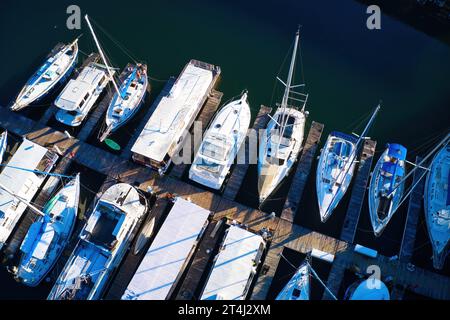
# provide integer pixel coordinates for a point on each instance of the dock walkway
(358, 192)
(239, 172)
(302, 171)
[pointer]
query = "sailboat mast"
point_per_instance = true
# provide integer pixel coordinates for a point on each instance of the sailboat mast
(285, 100)
(369, 124)
(22, 200)
(101, 54)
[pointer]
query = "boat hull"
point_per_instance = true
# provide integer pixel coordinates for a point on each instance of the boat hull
(299, 286)
(437, 206)
(63, 207)
(334, 171)
(35, 89)
(3, 141)
(277, 155)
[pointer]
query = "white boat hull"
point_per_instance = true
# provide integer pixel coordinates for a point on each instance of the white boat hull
(299, 287)
(226, 134)
(3, 143)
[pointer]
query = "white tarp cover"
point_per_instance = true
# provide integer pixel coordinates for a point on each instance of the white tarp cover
(168, 252)
(233, 266)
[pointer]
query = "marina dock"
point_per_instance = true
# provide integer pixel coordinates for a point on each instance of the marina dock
(358, 192)
(238, 173)
(281, 233)
(301, 173)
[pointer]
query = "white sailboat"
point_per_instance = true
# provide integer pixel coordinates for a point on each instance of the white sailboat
(49, 235)
(437, 204)
(3, 143)
(56, 69)
(336, 167)
(387, 186)
(221, 143)
(129, 96)
(103, 242)
(299, 286)
(282, 140)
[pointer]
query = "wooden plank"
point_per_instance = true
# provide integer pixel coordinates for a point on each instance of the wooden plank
(412, 218)
(358, 192)
(240, 169)
(301, 174)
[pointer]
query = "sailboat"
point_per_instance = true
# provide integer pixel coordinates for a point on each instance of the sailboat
(437, 204)
(56, 69)
(221, 143)
(49, 235)
(102, 244)
(386, 186)
(336, 167)
(299, 286)
(369, 289)
(3, 143)
(129, 96)
(282, 140)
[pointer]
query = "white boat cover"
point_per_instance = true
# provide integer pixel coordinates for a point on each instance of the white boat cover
(234, 266)
(166, 256)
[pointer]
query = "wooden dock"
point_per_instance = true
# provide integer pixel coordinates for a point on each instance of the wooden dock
(126, 153)
(203, 119)
(301, 173)
(412, 218)
(52, 109)
(358, 192)
(239, 171)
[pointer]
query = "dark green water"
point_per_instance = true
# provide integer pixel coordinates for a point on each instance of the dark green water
(347, 67)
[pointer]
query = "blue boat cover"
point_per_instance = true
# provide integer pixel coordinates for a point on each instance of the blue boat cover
(448, 189)
(396, 151)
(31, 236)
(344, 136)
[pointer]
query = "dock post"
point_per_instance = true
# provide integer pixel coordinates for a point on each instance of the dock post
(301, 174)
(358, 192)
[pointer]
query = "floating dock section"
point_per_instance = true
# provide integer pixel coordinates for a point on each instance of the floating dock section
(234, 266)
(164, 133)
(164, 262)
(29, 156)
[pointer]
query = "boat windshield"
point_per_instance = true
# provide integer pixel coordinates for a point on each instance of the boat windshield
(216, 148)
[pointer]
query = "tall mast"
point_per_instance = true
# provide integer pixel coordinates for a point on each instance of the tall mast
(284, 102)
(102, 55)
(22, 200)
(369, 124)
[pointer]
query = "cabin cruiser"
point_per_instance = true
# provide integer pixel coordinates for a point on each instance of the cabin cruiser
(221, 144)
(103, 242)
(299, 286)
(49, 234)
(437, 205)
(80, 95)
(336, 167)
(369, 289)
(386, 186)
(282, 139)
(56, 69)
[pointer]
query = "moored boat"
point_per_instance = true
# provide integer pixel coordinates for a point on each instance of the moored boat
(336, 167)
(80, 94)
(369, 289)
(128, 100)
(386, 186)
(49, 235)
(299, 286)
(103, 242)
(282, 140)
(221, 144)
(56, 69)
(437, 205)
